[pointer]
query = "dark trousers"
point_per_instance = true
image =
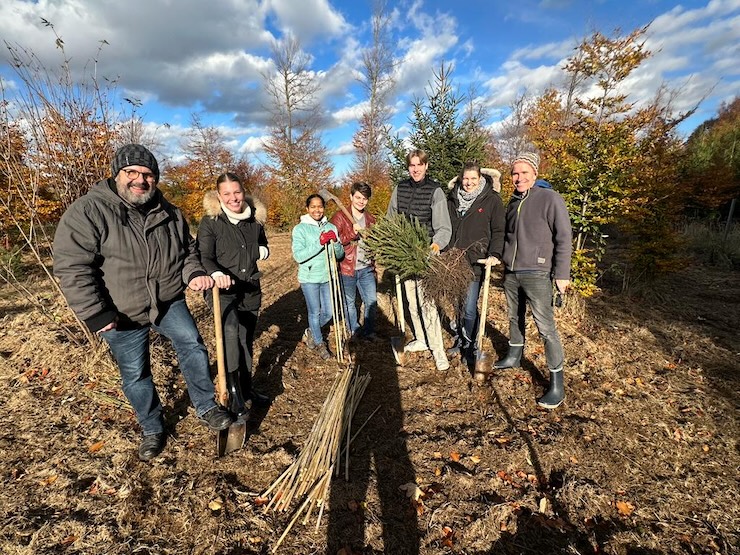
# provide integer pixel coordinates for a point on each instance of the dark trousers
(534, 288)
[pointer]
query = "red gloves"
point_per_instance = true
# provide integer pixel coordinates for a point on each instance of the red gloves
(327, 236)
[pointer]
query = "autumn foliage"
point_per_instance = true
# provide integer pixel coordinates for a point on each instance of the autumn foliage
(613, 163)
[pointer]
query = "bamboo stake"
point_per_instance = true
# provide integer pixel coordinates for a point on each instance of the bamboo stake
(331, 264)
(309, 477)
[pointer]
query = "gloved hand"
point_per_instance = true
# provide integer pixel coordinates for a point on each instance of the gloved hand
(434, 248)
(264, 252)
(327, 236)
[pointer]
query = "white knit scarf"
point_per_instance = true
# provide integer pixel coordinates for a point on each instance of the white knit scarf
(236, 217)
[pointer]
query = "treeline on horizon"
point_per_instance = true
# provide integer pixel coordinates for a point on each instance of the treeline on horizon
(624, 170)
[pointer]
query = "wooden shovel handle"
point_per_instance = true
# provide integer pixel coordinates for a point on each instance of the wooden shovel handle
(484, 307)
(222, 394)
(327, 196)
(399, 301)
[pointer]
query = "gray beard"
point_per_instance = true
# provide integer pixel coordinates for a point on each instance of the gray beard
(131, 198)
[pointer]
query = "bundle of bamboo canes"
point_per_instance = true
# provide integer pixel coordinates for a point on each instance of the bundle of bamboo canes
(308, 478)
(337, 303)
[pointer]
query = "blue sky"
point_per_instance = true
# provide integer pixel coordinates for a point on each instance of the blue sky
(208, 56)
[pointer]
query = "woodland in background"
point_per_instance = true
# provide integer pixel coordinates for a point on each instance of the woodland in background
(640, 460)
(625, 172)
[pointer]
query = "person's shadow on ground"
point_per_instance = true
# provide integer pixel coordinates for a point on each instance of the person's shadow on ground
(379, 459)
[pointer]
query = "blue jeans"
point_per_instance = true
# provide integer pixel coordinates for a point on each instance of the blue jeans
(318, 304)
(466, 326)
(535, 287)
(130, 349)
(364, 282)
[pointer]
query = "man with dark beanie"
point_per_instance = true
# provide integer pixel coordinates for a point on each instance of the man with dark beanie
(537, 251)
(124, 256)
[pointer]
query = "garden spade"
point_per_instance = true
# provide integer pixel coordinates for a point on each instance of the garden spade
(233, 437)
(482, 368)
(398, 342)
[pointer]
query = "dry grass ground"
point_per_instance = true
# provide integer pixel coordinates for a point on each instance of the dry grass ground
(642, 458)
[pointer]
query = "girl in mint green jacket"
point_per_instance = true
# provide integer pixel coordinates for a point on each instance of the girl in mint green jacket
(309, 239)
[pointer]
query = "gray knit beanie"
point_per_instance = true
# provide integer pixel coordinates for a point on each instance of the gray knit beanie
(134, 155)
(531, 158)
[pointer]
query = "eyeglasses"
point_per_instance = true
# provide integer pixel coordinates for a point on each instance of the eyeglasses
(134, 174)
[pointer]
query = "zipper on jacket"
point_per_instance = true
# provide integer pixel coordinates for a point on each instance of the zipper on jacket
(516, 232)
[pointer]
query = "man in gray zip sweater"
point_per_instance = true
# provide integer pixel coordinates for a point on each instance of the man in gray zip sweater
(124, 255)
(537, 251)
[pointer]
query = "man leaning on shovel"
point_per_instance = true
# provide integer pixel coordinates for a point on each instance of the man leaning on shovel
(124, 256)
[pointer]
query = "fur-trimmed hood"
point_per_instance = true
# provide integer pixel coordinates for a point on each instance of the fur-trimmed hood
(212, 206)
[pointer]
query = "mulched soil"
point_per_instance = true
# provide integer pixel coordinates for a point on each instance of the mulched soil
(642, 458)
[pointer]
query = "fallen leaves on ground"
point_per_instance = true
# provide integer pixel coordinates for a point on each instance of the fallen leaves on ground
(448, 536)
(625, 508)
(95, 447)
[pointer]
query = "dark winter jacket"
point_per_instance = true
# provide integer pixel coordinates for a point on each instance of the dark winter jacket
(481, 229)
(538, 234)
(349, 240)
(234, 248)
(114, 260)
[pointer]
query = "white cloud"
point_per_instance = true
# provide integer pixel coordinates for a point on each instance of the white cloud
(344, 149)
(307, 19)
(253, 144)
(350, 113)
(209, 57)
(549, 51)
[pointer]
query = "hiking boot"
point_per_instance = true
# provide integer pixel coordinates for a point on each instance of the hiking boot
(513, 358)
(217, 419)
(308, 339)
(323, 351)
(556, 393)
(152, 445)
(416, 346)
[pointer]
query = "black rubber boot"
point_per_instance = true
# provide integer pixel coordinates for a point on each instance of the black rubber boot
(513, 358)
(556, 394)
(251, 396)
(237, 404)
